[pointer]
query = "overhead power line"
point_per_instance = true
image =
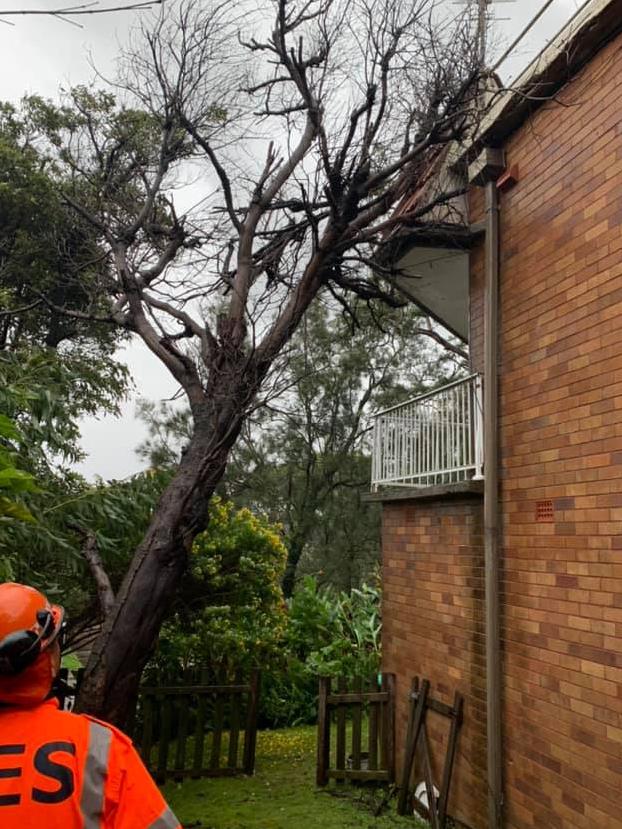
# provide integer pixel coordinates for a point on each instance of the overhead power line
(530, 26)
(65, 13)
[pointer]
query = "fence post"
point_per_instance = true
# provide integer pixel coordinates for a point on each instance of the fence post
(340, 753)
(166, 724)
(323, 732)
(250, 736)
(146, 742)
(234, 724)
(388, 685)
(199, 732)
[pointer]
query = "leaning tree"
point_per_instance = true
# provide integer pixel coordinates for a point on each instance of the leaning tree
(248, 160)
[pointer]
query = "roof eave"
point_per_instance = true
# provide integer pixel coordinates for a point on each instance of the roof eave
(589, 31)
(434, 235)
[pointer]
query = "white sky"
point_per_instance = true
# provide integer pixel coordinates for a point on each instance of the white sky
(41, 54)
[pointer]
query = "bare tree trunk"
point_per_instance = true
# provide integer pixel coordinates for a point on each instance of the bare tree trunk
(121, 651)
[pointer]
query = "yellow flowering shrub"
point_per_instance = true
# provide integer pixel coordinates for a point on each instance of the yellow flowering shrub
(234, 615)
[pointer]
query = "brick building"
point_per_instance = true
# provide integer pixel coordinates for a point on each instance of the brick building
(554, 345)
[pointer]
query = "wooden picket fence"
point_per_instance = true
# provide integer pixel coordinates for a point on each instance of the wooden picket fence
(193, 728)
(370, 759)
(201, 730)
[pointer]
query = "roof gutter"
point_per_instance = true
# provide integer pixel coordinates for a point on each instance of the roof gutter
(589, 30)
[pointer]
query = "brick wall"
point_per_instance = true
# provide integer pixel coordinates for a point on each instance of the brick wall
(433, 627)
(561, 440)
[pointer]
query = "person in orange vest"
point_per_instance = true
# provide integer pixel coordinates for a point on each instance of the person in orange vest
(60, 770)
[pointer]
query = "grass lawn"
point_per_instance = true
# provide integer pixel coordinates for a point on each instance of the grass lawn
(282, 794)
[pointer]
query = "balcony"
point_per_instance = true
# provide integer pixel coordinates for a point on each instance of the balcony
(431, 440)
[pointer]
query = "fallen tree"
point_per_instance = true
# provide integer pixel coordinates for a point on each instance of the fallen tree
(298, 126)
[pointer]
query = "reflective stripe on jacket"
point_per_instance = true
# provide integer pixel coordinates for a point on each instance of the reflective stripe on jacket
(63, 771)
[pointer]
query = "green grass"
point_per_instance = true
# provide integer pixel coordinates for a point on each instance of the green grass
(282, 794)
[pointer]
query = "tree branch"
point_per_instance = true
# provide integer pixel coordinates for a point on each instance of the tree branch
(90, 552)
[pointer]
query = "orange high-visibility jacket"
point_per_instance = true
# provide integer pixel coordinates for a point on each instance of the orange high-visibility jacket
(64, 771)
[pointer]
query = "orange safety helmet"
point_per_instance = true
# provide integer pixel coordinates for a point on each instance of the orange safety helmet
(29, 625)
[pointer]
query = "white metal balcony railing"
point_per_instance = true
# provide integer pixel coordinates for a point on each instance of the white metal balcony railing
(434, 439)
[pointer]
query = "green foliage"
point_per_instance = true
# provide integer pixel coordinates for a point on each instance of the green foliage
(50, 257)
(48, 554)
(328, 634)
(43, 393)
(353, 649)
(13, 481)
(231, 614)
(71, 662)
(46, 391)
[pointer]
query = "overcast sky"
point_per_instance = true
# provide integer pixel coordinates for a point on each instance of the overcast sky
(41, 54)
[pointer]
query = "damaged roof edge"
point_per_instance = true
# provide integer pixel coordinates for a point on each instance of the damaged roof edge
(588, 31)
(422, 234)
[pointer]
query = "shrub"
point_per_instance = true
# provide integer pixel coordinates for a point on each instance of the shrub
(232, 614)
(328, 634)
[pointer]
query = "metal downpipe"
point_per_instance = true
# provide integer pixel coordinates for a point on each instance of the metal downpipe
(491, 513)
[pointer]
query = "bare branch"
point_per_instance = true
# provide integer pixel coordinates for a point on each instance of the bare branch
(22, 310)
(83, 9)
(203, 332)
(181, 367)
(113, 319)
(219, 169)
(90, 551)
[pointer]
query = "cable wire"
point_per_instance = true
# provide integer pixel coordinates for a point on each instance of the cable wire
(530, 26)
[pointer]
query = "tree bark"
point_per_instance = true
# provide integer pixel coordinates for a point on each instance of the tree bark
(294, 552)
(105, 592)
(121, 651)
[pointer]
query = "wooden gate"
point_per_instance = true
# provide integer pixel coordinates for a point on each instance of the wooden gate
(199, 730)
(422, 702)
(370, 708)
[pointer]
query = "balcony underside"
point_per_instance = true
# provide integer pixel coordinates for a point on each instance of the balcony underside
(428, 493)
(437, 280)
(433, 266)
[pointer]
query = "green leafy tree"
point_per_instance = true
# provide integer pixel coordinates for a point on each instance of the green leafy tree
(46, 392)
(54, 369)
(82, 538)
(305, 458)
(50, 257)
(312, 456)
(43, 394)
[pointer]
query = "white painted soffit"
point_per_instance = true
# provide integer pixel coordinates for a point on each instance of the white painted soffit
(437, 280)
